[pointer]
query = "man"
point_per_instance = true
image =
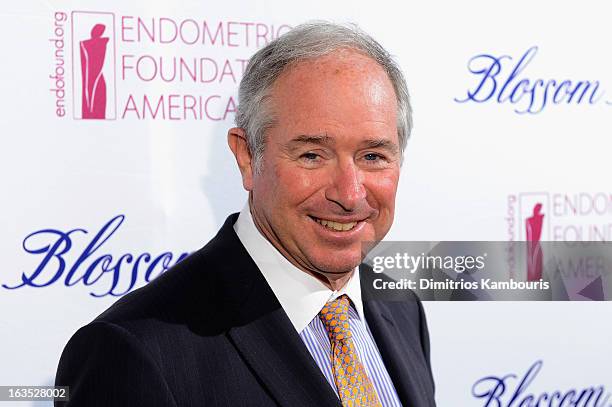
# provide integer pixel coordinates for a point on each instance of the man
(269, 312)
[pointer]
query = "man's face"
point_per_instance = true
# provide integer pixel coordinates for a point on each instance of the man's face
(331, 163)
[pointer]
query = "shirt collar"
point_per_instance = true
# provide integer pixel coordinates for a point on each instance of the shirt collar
(301, 295)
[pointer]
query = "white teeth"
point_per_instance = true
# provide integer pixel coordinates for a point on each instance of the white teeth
(336, 225)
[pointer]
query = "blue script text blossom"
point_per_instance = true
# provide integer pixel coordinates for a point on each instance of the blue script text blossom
(92, 266)
(508, 391)
(503, 79)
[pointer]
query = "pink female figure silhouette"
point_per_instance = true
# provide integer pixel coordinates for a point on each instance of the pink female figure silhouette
(93, 51)
(533, 225)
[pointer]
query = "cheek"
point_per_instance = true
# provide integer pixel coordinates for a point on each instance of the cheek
(294, 185)
(381, 191)
(290, 176)
(383, 188)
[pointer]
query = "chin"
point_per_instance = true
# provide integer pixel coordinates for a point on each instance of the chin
(338, 263)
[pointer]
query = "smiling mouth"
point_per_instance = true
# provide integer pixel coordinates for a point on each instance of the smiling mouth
(337, 226)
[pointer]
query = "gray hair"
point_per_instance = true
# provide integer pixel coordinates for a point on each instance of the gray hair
(308, 41)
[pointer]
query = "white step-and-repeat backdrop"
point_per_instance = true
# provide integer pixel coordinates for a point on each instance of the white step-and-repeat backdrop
(114, 169)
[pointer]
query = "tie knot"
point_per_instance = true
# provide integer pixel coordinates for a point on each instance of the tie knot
(334, 316)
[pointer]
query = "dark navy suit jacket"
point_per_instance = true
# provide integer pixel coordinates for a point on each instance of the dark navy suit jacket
(210, 332)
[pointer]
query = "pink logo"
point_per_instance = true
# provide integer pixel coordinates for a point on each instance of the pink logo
(93, 67)
(93, 88)
(533, 231)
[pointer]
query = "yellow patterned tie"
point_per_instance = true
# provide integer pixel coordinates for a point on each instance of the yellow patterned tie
(354, 387)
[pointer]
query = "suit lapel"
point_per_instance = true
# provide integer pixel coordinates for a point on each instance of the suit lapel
(401, 354)
(261, 331)
(278, 356)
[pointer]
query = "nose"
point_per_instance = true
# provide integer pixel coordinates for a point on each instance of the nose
(346, 188)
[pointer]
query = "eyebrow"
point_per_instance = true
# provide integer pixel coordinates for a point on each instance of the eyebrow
(302, 139)
(322, 139)
(382, 143)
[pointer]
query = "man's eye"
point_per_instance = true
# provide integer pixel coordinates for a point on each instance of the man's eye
(372, 157)
(310, 156)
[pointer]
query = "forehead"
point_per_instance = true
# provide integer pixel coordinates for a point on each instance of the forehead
(345, 90)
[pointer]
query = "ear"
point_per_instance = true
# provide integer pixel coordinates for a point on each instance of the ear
(237, 141)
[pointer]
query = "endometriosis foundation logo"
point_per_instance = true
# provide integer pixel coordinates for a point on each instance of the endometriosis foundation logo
(93, 65)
